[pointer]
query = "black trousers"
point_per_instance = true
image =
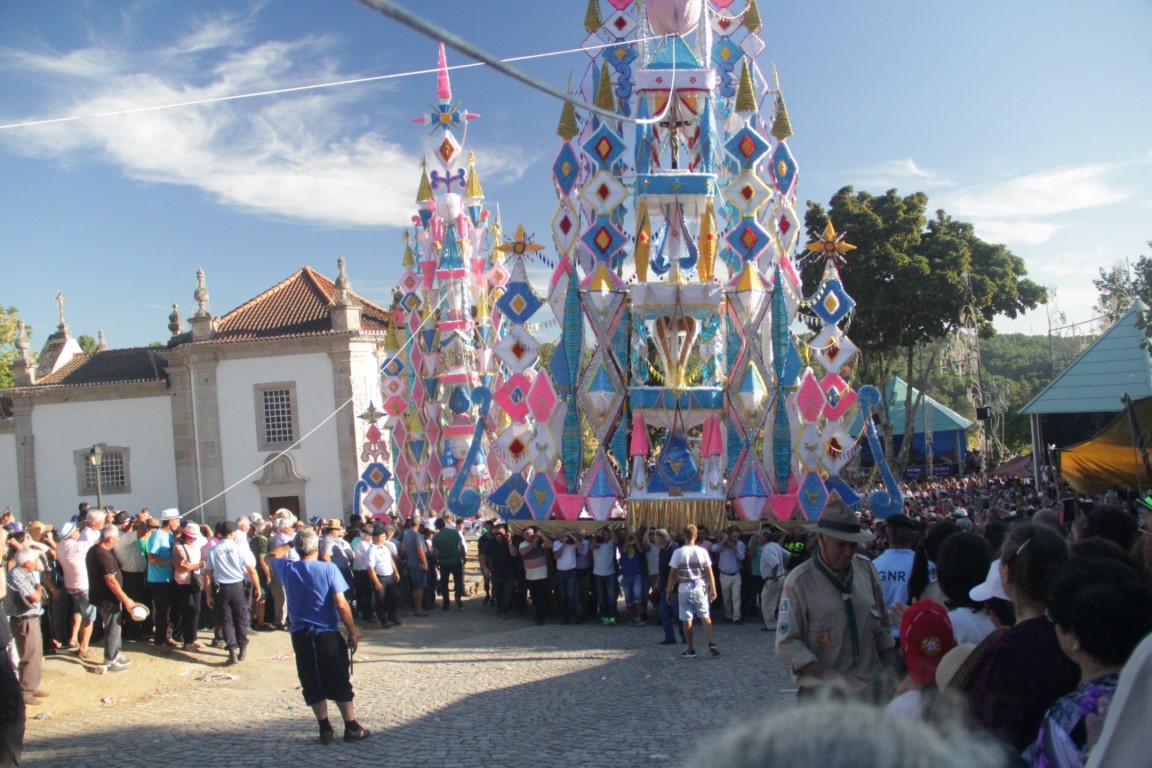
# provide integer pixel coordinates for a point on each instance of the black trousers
(233, 613)
(387, 600)
(365, 594)
(322, 663)
(12, 717)
(538, 589)
(187, 608)
(456, 571)
(163, 608)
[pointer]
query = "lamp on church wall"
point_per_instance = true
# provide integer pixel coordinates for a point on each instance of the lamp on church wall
(96, 458)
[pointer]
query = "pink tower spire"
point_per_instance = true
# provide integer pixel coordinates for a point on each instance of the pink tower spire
(443, 87)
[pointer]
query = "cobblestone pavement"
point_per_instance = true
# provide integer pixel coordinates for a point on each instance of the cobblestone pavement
(462, 688)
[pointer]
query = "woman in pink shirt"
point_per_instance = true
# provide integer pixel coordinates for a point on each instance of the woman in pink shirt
(187, 561)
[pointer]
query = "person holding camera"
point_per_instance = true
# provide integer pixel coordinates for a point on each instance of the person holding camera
(566, 549)
(534, 551)
(604, 572)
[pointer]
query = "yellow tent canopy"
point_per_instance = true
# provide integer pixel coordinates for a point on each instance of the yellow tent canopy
(1111, 457)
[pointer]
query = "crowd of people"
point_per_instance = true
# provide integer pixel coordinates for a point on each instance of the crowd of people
(982, 601)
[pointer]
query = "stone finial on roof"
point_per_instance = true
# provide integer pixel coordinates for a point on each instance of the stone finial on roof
(175, 322)
(203, 323)
(101, 341)
(201, 294)
(21, 338)
(63, 327)
(345, 312)
(24, 366)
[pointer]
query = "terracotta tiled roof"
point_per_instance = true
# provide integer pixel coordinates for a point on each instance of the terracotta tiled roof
(111, 366)
(296, 307)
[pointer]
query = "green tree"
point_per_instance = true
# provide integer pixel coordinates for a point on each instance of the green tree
(916, 281)
(9, 317)
(1121, 284)
(87, 343)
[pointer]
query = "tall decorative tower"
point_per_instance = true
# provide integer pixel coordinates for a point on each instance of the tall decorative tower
(440, 348)
(685, 395)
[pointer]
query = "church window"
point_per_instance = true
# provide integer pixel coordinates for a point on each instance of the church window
(114, 470)
(276, 426)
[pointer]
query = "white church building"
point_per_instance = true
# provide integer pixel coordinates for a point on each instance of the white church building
(247, 412)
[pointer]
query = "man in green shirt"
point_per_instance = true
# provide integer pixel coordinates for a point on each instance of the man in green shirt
(450, 551)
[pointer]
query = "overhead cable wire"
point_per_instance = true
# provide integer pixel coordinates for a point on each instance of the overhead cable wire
(301, 88)
(454, 41)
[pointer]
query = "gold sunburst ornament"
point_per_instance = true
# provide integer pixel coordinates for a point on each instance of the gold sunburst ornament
(831, 244)
(521, 245)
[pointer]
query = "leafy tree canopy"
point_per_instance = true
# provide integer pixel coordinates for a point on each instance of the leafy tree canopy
(9, 317)
(1121, 284)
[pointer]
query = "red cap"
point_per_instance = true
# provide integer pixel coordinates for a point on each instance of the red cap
(925, 636)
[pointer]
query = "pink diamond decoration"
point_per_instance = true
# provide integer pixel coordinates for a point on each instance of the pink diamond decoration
(513, 396)
(839, 395)
(542, 398)
(810, 399)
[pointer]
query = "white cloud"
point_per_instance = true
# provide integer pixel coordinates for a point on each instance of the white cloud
(306, 156)
(1045, 193)
(897, 173)
(1018, 232)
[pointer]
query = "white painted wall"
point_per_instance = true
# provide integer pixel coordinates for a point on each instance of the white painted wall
(9, 480)
(316, 458)
(141, 424)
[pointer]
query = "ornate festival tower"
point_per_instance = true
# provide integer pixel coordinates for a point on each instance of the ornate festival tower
(440, 348)
(684, 390)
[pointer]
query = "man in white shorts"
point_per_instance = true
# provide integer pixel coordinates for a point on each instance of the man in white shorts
(691, 569)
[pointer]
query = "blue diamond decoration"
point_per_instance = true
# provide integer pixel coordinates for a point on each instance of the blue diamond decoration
(565, 169)
(540, 496)
(603, 239)
(833, 303)
(604, 147)
(747, 147)
(812, 495)
(783, 168)
(376, 475)
(518, 303)
(510, 500)
(410, 302)
(394, 367)
(748, 239)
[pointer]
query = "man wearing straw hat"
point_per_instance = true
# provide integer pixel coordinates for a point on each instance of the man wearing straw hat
(833, 627)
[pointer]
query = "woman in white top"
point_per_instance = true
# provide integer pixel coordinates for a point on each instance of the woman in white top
(962, 564)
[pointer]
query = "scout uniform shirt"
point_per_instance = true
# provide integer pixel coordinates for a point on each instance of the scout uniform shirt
(814, 623)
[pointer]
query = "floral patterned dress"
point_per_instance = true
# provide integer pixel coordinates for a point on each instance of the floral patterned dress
(1072, 726)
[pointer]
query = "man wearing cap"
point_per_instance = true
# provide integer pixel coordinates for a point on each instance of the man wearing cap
(228, 570)
(70, 554)
(894, 565)
(833, 625)
(160, 574)
(335, 549)
(107, 592)
(383, 575)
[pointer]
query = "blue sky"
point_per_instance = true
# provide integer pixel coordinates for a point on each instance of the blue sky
(1030, 119)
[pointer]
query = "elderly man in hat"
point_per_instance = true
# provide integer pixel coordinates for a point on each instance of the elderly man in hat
(160, 577)
(833, 626)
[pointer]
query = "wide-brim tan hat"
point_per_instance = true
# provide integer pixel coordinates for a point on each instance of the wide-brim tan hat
(951, 662)
(838, 521)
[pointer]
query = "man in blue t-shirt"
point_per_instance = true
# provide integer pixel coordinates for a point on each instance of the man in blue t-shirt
(316, 605)
(894, 566)
(160, 582)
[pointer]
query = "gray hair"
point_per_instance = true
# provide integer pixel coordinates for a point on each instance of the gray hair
(109, 532)
(849, 735)
(662, 534)
(243, 521)
(96, 514)
(25, 556)
(309, 542)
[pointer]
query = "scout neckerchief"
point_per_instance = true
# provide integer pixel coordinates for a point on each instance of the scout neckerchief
(845, 590)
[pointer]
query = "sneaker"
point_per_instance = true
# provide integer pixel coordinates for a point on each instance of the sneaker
(688, 654)
(122, 659)
(611, 621)
(116, 666)
(712, 649)
(357, 735)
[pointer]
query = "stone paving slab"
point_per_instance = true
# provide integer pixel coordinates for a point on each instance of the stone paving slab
(465, 689)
